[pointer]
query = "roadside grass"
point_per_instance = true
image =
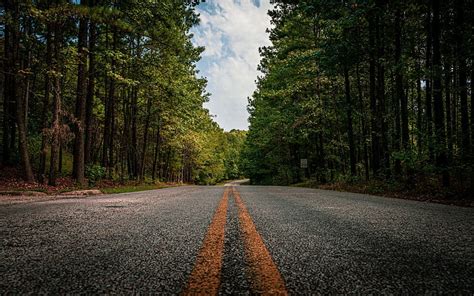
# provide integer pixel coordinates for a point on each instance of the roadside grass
(134, 187)
(107, 190)
(426, 189)
(11, 184)
(222, 183)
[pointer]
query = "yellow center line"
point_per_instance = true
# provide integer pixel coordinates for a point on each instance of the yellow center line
(265, 277)
(205, 277)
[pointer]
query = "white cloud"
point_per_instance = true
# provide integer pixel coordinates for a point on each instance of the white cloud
(213, 40)
(232, 31)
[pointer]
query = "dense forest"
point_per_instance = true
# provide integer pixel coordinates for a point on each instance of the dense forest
(365, 90)
(94, 89)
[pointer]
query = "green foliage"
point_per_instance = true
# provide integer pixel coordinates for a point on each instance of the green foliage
(131, 188)
(220, 156)
(94, 173)
(302, 108)
(148, 121)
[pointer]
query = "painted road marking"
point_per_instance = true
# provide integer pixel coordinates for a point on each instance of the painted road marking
(205, 277)
(264, 274)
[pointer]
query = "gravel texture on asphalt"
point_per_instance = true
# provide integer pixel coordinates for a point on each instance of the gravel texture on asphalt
(234, 276)
(323, 242)
(327, 242)
(144, 242)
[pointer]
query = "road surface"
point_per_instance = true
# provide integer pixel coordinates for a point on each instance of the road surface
(236, 240)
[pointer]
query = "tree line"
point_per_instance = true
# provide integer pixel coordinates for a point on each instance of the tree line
(107, 87)
(365, 90)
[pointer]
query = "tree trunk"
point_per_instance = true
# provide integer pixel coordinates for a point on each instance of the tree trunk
(403, 97)
(10, 87)
(350, 129)
(454, 106)
(449, 130)
(56, 132)
(462, 84)
(363, 119)
(56, 124)
(90, 92)
(322, 157)
(400, 99)
(441, 159)
(6, 95)
(145, 139)
(60, 159)
(45, 107)
(107, 157)
(472, 102)
(429, 114)
(80, 122)
(134, 148)
(419, 112)
(472, 123)
(27, 171)
(373, 100)
(380, 31)
(156, 153)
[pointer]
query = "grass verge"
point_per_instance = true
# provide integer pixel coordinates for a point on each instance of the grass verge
(133, 188)
(427, 191)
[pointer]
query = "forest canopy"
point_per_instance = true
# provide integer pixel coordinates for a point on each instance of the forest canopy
(354, 90)
(94, 89)
(365, 90)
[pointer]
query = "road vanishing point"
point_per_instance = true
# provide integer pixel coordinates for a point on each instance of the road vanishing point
(234, 239)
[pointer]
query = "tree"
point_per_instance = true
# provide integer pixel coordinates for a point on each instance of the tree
(462, 84)
(122, 77)
(12, 94)
(322, 54)
(80, 112)
(441, 159)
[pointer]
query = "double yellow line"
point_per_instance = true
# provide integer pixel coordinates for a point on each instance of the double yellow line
(263, 273)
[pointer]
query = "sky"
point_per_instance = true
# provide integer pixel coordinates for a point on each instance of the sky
(231, 31)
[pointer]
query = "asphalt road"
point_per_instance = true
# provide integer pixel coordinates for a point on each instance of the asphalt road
(321, 242)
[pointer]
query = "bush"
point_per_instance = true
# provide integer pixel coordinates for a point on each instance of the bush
(94, 173)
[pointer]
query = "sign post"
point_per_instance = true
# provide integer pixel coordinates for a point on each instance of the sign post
(304, 163)
(304, 166)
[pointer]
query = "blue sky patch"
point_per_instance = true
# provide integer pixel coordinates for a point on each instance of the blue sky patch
(232, 31)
